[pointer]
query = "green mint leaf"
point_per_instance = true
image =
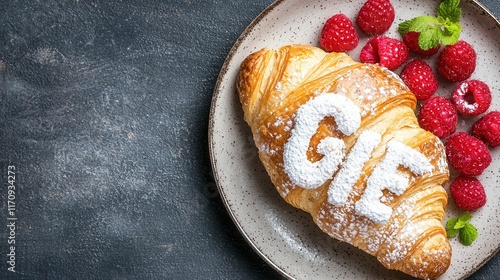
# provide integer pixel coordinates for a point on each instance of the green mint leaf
(450, 34)
(429, 38)
(448, 9)
(463, 220)
(452, 29)
(428, 27)
(450, 233)
(423, 23)
(461, 223)
(467, 234)
(404, 27)
(450, 227)
(450, 224)
(443, 29)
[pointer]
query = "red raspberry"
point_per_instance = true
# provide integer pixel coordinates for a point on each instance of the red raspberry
(457, 62)
(420, 79)
(388, 52)
(338, 34)
(468, 193)
(487, 129)
(472, 97)
(438, 116)
(375, 17)
(467, 154)
(411, 41)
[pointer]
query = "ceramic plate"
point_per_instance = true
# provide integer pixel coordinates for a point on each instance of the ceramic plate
(286, 237)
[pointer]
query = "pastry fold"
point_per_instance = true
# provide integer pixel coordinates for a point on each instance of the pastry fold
(340, 140)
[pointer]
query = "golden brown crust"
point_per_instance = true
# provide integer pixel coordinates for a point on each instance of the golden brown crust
(274, 84)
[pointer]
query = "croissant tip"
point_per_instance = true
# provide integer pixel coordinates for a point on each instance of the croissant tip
(430, 264)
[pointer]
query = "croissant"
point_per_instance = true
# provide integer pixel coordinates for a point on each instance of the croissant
(340, 140)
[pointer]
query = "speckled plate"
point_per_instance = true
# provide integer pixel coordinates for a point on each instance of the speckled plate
(286, 237)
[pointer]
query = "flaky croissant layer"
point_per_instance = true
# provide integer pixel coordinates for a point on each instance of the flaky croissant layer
(340, 140)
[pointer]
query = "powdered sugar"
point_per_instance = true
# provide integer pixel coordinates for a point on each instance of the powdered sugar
(279, 122)
(310, 175)
(347, 176)
(386, 176)
(462, 103)
(300, 170)
(468, 107)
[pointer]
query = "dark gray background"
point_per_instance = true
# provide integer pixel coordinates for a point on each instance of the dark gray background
(104, 114)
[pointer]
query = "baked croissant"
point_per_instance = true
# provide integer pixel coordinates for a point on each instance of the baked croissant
(340, 140)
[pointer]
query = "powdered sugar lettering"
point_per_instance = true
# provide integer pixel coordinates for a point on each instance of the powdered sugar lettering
(300, 170)
(311, 175)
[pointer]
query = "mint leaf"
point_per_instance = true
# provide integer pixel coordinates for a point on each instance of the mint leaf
(463, 220)
(450, 34)
(448, 9)
(467, 234)
(404, 27)
(450, 227)
(450, 233)
(451, 29)
(450, 224)
(443, 29)
(429, 38)
(423, 23)
(428, 27)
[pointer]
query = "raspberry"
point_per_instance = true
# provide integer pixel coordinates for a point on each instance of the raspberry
(411, 41)
(457, 62)
(438, 116)
(468, 193)
(467, 154)
(472, 97)
(375, 17)
(487, 129)
(338, 34)
(420, 79)
(388, 52)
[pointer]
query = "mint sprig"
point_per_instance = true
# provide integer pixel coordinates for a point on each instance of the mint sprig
(448, 9)
(443, 29)
(451, 231)
(467, 233)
